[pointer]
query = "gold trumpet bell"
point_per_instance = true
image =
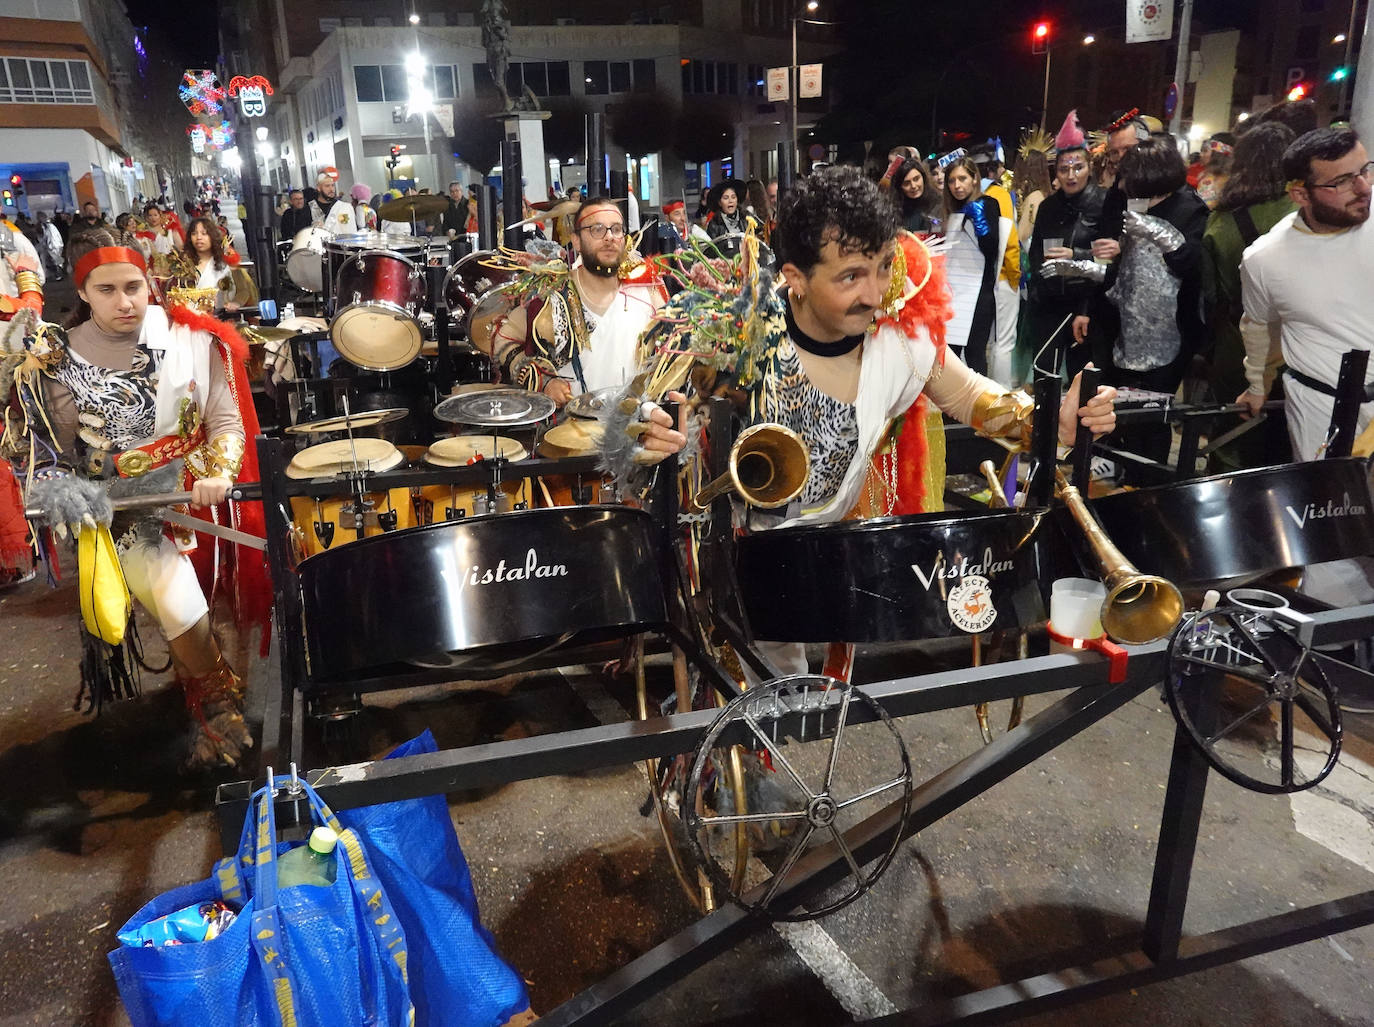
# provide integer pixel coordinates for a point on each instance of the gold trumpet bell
(1139, 608)
(769, 465)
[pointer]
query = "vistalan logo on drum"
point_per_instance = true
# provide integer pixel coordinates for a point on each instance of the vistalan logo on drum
(941, 568)
(532, 568)
(1312, 512)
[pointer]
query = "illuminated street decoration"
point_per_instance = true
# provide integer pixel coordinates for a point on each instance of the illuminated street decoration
(198, 138)
(201, 92)
(252, 94)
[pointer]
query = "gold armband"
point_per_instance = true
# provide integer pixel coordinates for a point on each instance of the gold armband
(27, 281)
(220, 457)
(1001, 415)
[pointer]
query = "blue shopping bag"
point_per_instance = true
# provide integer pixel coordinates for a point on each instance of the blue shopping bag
(457, 978)
(305, 955)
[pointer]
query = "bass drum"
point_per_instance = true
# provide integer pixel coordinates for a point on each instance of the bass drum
(305, 262)
(408, 388)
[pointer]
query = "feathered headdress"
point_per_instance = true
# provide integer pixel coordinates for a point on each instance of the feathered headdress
(1035, 140)
(1070, 135)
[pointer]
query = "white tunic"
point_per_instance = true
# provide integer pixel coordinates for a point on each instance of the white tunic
(610, 357)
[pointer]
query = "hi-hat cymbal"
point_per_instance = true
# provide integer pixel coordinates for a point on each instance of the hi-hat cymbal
(357, 419)
(496, 408)
(420, 206)
(331, 458)
(588, 405)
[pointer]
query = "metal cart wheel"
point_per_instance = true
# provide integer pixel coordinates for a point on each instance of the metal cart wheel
(808, 799)
(1228, 671)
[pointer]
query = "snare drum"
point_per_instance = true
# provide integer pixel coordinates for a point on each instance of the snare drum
(378, 294)
(437, 503)
(332, 521)
(574, 438)
(305, 262)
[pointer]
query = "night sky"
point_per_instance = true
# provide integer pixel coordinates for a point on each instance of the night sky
(194, 37)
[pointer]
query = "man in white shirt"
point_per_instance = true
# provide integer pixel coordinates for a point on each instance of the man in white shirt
(327, 211)
(1307, 297)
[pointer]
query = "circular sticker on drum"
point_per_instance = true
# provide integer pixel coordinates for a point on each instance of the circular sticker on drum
(970, 604)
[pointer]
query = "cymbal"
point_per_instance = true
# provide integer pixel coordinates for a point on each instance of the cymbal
(556, 210)
(256, 335)
(331, 458)
(572, 438)
(588, 405)
(357, 419)
(497, 407)
(421, 206)
(457, 450)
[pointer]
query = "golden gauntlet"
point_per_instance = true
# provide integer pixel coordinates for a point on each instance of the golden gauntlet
(999, 415)
(220, 457)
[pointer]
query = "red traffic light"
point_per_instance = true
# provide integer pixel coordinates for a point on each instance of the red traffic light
(1298, 91)
(16, 179)
(1042, 30)
(1040, 37)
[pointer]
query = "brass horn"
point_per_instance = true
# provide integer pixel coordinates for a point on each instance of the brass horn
(1139, 608)
(768, 467)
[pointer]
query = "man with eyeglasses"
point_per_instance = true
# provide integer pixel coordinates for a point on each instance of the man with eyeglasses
(1307, 296)
(582, 336)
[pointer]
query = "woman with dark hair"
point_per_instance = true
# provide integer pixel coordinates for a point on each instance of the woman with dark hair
(1031, 184)
(1253, 200)
(725, 213)
(919, 199)
(137, 399)
(973, 257)
(205, 248)
(1157, 283)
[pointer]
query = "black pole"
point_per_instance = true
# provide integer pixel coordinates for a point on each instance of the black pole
(487, 211)
(512, 193)
(596, 155)
(1083, 441)
(787, 170)
(1044, 440)
(1345, 411)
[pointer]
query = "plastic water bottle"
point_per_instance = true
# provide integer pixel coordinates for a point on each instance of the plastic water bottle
(312, 863)
(288, 311)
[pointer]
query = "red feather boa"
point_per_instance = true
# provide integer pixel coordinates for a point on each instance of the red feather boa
(930, 308)
(251, 581)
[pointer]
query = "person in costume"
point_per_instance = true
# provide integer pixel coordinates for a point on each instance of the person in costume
(725, 212)
(327, 211)
(920, 200)
(138, 399)
(847, 352)
(1063, 279)
(205, 250)
(577, 328)
(21, 301)
(161, 236)
(364, 217)
(15, 244)
(974, 243)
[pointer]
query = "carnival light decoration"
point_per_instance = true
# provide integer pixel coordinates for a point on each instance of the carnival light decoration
(252, 94)
(201, 92)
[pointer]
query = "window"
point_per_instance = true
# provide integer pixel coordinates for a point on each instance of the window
(367, 79)
(756, 84)
(536, 77)
(560, 79)
(481, 81)
(443, 83)
(720, 77)
(35, 80)
(394, 88)
(596, 78)
(620, 76)
(644, 76)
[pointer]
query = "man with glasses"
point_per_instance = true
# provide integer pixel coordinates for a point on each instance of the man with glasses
(582, 335)
(1307, 296)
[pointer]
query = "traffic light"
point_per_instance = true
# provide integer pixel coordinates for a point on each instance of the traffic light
(1299, 91)
(9, 198)
(17, 183)
(1339, 74)
(1040, 37)
(395, 152)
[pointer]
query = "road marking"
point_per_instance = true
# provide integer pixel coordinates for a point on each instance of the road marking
(853, 989)
(1339, 812)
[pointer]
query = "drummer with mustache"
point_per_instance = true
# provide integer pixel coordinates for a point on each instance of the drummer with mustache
(583, 336)
(856, 349)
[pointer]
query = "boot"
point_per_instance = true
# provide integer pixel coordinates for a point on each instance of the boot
(219, 735)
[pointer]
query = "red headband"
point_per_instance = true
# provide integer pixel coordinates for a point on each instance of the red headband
(668, 208)
(600, 206)
(107, 255)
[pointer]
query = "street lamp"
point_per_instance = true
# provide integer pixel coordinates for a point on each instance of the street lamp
(794, 74)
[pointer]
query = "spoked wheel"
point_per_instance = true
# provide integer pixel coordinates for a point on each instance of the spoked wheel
(802, 792)
(1253, 699)
(672, 796)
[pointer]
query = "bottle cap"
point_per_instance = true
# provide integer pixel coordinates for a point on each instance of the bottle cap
(323, 840)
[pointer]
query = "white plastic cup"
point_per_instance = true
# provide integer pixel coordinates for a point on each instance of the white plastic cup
(1053, 244)
(1076, 607)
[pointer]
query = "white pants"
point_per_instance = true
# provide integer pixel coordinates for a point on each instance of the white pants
(1003, 342)
(165, 584)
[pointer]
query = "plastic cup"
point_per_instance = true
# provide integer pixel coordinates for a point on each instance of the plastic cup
(1076, 607)
(1053, 244)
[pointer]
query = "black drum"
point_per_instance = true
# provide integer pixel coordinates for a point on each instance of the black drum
(1245, 524)
(467, 284)
(894, 579)
(506, 585)
(411, 388)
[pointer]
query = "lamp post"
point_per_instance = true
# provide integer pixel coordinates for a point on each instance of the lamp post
(794, 73)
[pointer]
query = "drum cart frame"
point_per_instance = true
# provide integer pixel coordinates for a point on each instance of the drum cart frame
(1159, 953)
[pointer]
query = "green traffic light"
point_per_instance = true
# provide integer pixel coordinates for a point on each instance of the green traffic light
(1339, 75)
